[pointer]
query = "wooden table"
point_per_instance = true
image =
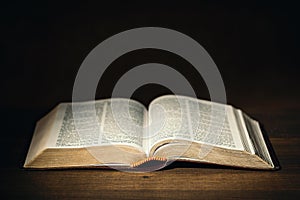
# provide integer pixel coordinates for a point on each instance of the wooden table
(175, 182)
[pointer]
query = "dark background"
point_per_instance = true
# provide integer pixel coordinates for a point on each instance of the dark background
(255, 46)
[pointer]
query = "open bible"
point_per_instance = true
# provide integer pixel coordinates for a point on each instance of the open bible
(122, 133)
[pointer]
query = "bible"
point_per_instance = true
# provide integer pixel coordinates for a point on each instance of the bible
(123, 133)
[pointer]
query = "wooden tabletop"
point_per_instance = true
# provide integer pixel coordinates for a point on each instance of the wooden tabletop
(176, 182)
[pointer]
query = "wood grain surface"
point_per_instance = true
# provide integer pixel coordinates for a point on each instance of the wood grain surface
(178, 181)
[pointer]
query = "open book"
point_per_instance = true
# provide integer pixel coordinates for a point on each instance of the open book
(123, 133)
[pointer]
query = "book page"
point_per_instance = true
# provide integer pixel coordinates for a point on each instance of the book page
(194, 120)
(167, 120)
(96, 124)
(215, 124)
(123, 122)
